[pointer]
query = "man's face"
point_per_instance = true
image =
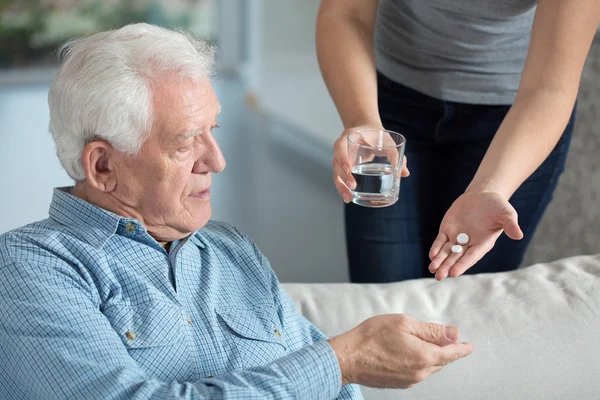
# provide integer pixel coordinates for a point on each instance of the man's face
(167, 184)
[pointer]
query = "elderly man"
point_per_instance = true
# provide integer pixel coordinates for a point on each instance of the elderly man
(128, 291)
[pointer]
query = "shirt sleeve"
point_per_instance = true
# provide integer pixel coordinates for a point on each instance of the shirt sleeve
(301, 330)
(55, 343)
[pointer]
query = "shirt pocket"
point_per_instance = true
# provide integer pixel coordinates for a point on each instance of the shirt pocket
(255, 333)
(154, 335)
(146, 325)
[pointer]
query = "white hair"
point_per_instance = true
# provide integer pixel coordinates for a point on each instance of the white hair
(102, 90)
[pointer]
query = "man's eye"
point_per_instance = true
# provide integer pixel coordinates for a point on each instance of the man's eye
(184, 149)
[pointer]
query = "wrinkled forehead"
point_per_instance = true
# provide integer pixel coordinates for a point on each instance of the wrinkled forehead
(182, 105)
(201, 94)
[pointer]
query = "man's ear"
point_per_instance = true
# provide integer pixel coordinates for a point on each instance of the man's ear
(98, 161)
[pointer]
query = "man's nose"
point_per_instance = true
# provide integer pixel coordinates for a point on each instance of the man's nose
(211, 158)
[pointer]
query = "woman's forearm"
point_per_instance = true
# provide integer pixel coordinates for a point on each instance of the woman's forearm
(346, 58)
(526, 137)
(561, 37)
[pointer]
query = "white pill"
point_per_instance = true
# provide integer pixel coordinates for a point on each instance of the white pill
(457, 248)
(462, 238)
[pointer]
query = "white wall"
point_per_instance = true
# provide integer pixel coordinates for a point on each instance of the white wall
(285, 74)
(29, 168)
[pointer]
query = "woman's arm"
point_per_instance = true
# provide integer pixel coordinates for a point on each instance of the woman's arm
(561, 38)
(560, 41)
(345, 32)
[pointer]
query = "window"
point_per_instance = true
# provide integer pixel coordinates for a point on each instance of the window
(30, 31)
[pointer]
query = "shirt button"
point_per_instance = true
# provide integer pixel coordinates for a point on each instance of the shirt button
(130, 227)
(277, 334)
(130, 335)
(189, 320)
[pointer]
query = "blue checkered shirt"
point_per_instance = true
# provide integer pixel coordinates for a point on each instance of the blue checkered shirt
(92, 307)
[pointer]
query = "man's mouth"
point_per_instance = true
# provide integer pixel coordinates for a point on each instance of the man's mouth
(202, 195)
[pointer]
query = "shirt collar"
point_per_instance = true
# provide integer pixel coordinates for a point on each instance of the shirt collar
(198, 239)
(96, 225)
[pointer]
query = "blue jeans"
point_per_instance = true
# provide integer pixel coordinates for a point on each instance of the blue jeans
(446, 142)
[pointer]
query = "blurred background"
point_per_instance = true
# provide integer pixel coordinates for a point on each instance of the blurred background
(277, 127)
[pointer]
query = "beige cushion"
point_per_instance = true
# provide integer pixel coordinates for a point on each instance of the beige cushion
(536, 330)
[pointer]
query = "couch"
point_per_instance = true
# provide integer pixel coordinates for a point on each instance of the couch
(536, 330)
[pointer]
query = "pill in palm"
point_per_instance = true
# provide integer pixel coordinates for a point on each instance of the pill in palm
(462, 238)
(457, 248)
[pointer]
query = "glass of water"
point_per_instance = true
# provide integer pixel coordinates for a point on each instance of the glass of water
(376, 157)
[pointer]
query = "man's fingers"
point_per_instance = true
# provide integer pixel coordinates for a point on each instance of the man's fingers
(434, 369)
(453, 352)
(431, 332)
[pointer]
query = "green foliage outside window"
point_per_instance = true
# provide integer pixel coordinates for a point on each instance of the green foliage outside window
(30, 31)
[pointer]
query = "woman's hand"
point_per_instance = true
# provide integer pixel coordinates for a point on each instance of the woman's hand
(342, 168)
(483, 216)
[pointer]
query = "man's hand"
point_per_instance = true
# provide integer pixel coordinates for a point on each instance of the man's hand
(481, 215)
(396, 351)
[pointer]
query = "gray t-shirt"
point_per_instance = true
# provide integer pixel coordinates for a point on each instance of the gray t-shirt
(469, 51)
